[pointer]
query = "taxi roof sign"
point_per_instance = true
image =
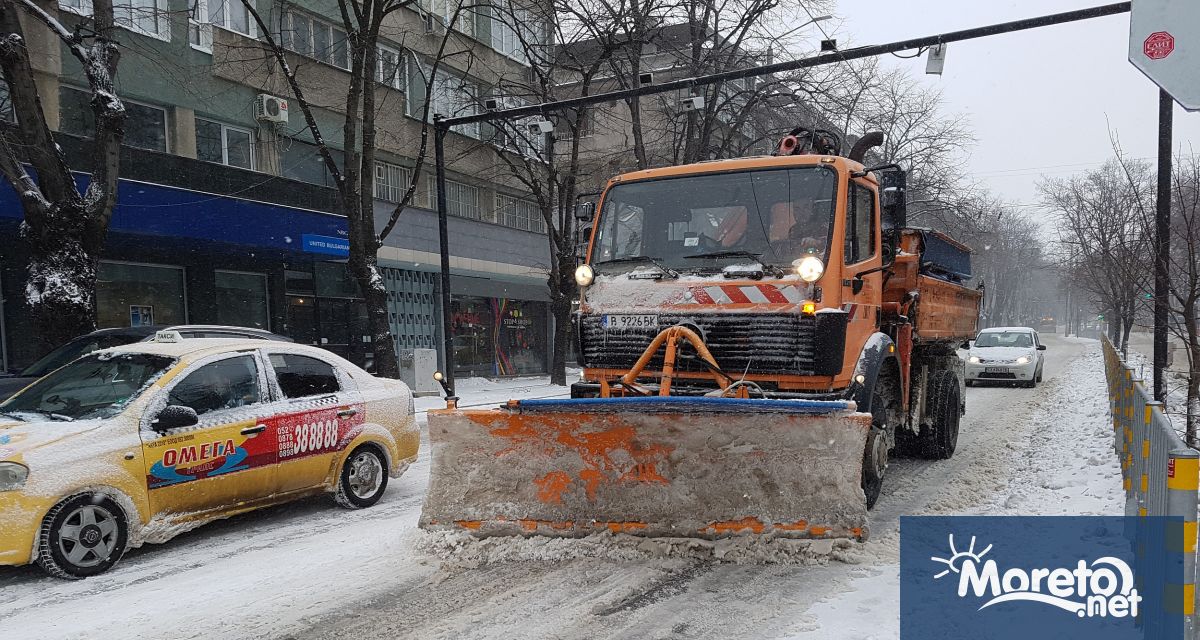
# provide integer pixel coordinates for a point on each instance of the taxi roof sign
(1164, 44)
(168, 336)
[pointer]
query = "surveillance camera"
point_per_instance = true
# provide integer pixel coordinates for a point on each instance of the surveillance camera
(541, 126)
(693, 103)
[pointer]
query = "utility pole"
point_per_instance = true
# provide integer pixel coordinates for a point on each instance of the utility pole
(1162, 243)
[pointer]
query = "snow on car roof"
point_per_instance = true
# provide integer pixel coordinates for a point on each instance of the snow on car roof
(1003, 329)
(194, 347)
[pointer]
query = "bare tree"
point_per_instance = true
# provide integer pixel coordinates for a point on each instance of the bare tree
(64, 228)
(353, 167)
(1100, 227)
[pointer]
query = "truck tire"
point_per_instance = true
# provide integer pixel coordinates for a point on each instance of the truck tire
(875, 454)
(939, 440)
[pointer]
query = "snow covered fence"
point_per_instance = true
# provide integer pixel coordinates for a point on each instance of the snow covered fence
(1161, 474)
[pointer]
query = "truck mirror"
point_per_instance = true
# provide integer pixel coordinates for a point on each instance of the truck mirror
(585, 211)
(581, 246)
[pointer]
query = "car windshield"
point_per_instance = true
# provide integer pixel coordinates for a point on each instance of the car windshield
(710, 221)
(95, 386)
(82, 345)
(1004, 339)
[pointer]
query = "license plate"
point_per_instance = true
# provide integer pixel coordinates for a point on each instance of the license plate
(995, 369)
(631, 321)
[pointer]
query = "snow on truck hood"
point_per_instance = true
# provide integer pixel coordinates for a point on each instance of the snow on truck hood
(617, 293)
(18, 438)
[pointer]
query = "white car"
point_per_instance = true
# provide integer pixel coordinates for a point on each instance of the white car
(1006, 354)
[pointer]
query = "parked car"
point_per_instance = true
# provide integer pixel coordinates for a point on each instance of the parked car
(1006, 354)
(137, 443)
(105, 338)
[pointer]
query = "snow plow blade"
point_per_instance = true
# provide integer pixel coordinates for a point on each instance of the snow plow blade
(652, 466)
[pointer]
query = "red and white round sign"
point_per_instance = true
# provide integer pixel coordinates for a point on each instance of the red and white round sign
(1159, 45)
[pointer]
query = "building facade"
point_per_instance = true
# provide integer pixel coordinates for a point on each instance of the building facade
(226, 213)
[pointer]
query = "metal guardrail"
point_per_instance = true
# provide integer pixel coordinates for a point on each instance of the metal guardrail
(1161, 474)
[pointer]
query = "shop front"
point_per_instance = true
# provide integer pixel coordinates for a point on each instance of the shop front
(499, 336)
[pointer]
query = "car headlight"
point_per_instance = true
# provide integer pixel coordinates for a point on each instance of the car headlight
(973, 359)
(809, 268)
(1024, 360)
(584, 275)
(12, 476)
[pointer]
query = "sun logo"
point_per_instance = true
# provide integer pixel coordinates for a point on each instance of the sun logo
(957, 558)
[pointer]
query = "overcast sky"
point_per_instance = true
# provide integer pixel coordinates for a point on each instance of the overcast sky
(1040, 101)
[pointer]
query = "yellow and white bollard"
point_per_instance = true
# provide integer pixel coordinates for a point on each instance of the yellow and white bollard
(1183, 479)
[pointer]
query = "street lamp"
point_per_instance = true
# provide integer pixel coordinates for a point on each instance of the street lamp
(813, 21)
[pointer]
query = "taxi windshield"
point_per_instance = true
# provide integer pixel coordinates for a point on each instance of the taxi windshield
(95, 386)
(773, 216)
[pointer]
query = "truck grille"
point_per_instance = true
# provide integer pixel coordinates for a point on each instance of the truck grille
(764, 343)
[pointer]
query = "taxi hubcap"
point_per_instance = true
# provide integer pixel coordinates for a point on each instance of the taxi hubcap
(88, 535)
(366, 473)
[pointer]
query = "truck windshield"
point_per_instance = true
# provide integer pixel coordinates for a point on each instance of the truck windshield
(710, 221)
(94, 386)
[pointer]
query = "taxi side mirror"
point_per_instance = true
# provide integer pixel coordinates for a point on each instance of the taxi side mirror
(174, 416)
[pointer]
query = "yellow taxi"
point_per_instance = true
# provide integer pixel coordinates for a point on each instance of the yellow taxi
(138, 443)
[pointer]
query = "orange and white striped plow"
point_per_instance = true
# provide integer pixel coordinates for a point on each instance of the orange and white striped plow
(654, 466)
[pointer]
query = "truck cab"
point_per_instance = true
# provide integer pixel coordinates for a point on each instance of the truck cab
(776, 262)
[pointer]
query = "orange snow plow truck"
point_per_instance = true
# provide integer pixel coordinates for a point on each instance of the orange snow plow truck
(757, 337)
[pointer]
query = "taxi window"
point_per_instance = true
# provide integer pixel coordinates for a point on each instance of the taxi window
(301, 376)
(225, 384)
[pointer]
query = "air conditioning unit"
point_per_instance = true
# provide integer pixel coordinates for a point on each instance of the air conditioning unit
(272, 108)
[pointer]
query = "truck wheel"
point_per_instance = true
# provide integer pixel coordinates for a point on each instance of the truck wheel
(875, 455)
(938, 441)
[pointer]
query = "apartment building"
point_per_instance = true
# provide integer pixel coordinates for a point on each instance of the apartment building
(226, 214)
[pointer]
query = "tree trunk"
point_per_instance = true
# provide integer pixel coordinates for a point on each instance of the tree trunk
(561, 294)
(61, 288)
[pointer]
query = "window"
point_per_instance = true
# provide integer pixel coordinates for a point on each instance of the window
(517, 31)
(132, 295)
(302, 376)
(145, 125)
(314, 38)
(216, 142)
(231, 15)
(391, 181)
(519, 214)
(445, 10)
(389, 67)
(147, 17)
(587, 124)
(225, 384)
(241, 299)
(860, 227)
(300, 160)
(516, 136)
(462, 200)
(451, 96)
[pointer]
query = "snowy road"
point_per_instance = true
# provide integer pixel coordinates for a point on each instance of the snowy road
(311, 571)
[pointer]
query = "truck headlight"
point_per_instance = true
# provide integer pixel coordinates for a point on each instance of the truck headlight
(12, 476)
(973, 359)
(1024, 360)
(584, 275)
(809, 268)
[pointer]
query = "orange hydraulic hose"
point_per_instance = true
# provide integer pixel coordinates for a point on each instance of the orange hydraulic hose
(671, 336)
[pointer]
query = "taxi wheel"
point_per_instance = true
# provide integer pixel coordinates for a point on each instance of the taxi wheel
(82, 536)
(363, 479)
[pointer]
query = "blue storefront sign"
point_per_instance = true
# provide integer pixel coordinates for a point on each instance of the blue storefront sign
(1099, 578)
(325, 244)
(145, 208)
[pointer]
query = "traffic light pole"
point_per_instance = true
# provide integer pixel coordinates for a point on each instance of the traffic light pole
(1162, 243)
